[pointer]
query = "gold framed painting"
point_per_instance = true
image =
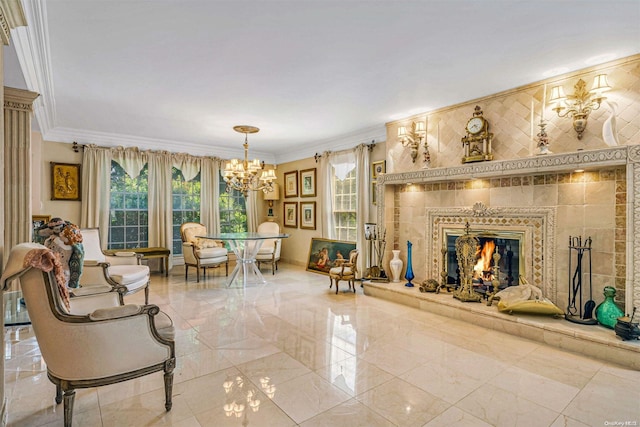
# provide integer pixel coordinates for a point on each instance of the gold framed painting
(308, 215)
(308, 183)
(290, 214)
(377, 168)
(325, 254)
(291, 184)
(65, 181)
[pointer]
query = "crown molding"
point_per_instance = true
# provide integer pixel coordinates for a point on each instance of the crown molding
(309, 149)
(32, 48)
(107, 139)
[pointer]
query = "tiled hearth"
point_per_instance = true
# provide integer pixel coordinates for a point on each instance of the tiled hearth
(594, 341)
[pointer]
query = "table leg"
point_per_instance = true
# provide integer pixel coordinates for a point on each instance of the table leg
(246, 251)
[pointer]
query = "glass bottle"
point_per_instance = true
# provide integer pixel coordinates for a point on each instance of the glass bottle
(608, 312)
(409, 274)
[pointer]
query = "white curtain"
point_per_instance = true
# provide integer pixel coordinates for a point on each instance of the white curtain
(160, 201)
(252, 210)
(131, 159)
(210, 194)
(96, 191)
(363, 183)
(188, 165)
(325, 193)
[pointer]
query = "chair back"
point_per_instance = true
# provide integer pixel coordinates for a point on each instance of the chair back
(92, 246)
(353, 260)
(270, 228)
(189, 231)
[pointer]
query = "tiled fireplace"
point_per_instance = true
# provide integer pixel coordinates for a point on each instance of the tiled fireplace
(542, 198)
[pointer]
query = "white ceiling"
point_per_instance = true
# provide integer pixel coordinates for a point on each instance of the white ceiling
(312, 75)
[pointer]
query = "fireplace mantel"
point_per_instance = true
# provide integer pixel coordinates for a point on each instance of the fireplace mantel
(628, 156)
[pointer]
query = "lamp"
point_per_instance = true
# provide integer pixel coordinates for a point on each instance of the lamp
(242, 175)
(412, 138)
(581, 103)
(272, 196)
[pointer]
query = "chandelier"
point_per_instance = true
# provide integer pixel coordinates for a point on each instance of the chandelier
(242, 175)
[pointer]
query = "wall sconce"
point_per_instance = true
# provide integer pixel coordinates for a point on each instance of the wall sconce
(413, 138)
(579, 105)
(272, 196)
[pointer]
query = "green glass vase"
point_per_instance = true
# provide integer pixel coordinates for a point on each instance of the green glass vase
(608, 312)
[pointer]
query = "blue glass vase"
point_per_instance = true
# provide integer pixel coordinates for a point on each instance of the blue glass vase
(409, 274)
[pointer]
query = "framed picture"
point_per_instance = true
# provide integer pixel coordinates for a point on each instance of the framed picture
(308, 183)
(323, 254)
(308, 215)
(377, 168)
(65, 181)
(38, 221)
(291, 214)
(374, 196)
(291, 184)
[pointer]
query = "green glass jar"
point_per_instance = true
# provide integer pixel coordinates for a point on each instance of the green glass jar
(608, 312)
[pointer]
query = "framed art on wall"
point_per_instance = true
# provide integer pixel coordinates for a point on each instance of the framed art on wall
(377, 168)
(291, 184)
(308, 183)
(324, 254)
(308, 215)
(291, 214)
(65, 181)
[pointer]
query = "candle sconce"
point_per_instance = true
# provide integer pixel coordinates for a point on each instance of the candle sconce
(413, 138)
(581, 103)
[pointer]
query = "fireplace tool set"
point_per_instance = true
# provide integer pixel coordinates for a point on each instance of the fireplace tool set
(576, 312)
(376, 244)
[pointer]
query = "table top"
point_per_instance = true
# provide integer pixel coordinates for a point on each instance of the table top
(245, 236)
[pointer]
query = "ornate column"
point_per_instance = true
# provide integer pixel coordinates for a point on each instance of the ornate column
(18, 105)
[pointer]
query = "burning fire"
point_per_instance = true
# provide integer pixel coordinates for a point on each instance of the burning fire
(484, 259)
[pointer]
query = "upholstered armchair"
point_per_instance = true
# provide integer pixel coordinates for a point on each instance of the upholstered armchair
(345, 270)
(82, 350)
(270, 249)
(121, 269)
(201, 253)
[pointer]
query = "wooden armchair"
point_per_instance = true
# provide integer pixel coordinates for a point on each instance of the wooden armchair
(345, 270)
(201, 253)
(111, 344)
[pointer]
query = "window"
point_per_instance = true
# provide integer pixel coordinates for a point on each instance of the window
(345, 206)
(128, 214)
(233, 210)
(186, 205)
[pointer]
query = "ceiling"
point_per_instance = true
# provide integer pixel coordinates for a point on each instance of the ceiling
(312, 75)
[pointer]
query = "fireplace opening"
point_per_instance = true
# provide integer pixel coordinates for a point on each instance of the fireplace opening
(498, 253)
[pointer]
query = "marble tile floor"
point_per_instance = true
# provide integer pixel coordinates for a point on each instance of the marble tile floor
(314, 358)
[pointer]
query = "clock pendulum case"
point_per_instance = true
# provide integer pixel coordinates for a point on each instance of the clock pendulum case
(477, 141)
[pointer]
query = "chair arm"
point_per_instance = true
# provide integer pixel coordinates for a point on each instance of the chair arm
(90, 290)
(124, 258)
(115, 312)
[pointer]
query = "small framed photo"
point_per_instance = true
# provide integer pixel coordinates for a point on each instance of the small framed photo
(291, 184)
(377, 168)
(308, 183)
(308, 215)
(291, 214)
(374, 196)
(65, 181)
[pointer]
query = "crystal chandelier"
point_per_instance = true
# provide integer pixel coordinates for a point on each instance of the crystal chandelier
(242, 175)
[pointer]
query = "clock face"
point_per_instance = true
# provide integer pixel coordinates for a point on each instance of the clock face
(475, 125)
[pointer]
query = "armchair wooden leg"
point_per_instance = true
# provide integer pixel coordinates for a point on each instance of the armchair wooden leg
(58, 394)
(168, 390)
(69, 396)
(146, 294)
(186, 271)
(197, 274)
(226, 266)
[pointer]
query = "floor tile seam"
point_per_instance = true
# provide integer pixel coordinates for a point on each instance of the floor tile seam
(373, 409)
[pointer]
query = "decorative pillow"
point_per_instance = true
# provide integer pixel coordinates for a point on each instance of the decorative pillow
(205, 243)
(191, 233)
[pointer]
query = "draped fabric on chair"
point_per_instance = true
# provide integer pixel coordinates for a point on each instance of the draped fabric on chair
(96, 172)
(210, 193)
(160, 201)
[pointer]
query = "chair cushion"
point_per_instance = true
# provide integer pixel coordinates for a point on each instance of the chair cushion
(211, 253)
(128, 274)
(337, 271)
